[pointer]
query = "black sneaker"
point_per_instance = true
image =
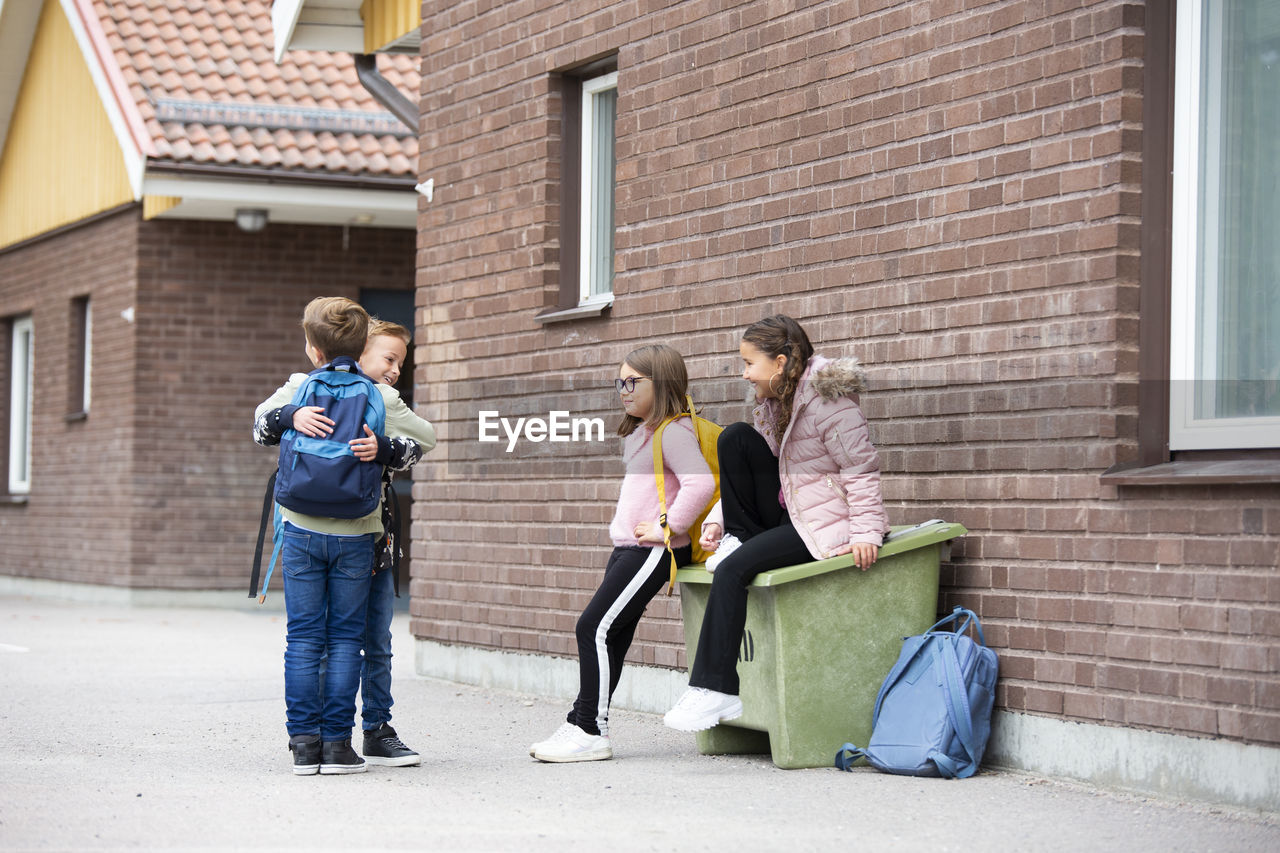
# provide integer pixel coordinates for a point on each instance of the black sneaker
(383, 746)
(337, 757)
(306, 754)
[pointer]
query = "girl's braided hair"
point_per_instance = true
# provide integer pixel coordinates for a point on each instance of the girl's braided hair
(781, 335)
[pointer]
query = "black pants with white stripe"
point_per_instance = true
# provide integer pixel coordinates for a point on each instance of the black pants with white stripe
(632, 578)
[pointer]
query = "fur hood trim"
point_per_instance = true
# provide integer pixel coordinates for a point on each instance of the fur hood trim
(840, 377)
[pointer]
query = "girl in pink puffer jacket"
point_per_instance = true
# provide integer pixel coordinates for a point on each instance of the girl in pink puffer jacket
(803, 484)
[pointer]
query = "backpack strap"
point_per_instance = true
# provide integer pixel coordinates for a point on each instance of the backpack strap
(970, 618)
(960, 714)
(277, 540)
(394, 512)
(658, 476)
(660, 479)
(343, 362)
(847, 755)
(268, 501)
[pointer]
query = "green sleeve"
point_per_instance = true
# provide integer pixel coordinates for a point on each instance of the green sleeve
(403, 423)
(282, 396)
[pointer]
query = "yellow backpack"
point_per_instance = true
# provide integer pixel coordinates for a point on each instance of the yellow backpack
(708, 432)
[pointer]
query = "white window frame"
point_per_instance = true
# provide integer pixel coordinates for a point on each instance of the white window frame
(586, 206)
(88, 354)
(21, 375)
(1188, 428)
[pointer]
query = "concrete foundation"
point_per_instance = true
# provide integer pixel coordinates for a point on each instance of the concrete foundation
(1212, 771)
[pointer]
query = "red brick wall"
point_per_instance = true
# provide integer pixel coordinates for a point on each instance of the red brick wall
(948, 190)
(75, 523)
(161, 486)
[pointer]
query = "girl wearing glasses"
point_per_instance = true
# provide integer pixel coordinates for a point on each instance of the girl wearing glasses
(802, 484)
(652, 384)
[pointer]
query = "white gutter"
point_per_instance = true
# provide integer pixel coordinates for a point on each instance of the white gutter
(284, 19)
(247, 192)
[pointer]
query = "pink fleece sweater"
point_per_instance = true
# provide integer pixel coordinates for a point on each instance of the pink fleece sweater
(687, 482)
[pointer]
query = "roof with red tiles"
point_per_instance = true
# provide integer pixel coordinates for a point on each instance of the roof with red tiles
(210, 93)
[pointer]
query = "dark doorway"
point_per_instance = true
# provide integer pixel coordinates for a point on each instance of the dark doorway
(396, 306)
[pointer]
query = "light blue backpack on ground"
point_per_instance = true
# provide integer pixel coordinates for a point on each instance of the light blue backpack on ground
(933, 713)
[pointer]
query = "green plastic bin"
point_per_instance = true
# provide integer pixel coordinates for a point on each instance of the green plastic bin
(819, 640)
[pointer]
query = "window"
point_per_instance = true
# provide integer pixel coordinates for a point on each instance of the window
(595, 246)
(80, 358)
(588, 163)
(20, 406)
(1224, 320)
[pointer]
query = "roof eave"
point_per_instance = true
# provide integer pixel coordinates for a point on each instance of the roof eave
(335, 27)
(216, 192)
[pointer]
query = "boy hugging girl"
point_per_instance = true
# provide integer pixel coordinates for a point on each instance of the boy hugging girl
(338, 590)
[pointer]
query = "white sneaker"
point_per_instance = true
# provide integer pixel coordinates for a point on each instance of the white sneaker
(700, 709)
(728, 544)
(570, 743)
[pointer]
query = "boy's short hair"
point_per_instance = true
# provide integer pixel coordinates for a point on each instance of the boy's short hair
(336, 326)
(386, 327)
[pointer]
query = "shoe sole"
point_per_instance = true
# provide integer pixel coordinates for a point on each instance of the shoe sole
(306, 769)
(594, 755)
(342, 769)
(402, 761)
(704, 723)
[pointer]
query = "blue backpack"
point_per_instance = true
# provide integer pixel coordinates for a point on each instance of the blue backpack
(322, 476)
(933, 713)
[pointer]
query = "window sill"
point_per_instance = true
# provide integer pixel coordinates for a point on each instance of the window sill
(18, 500)
(73, 417)
(587, 309)
(1196, 472)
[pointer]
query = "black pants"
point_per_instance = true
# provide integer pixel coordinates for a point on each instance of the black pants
(606, 627)
(749, 487)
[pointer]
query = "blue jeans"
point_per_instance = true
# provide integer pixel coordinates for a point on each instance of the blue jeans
(326, 596)
(375, 678)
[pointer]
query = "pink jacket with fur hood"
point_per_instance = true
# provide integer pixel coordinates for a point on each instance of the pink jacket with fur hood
(829, 470)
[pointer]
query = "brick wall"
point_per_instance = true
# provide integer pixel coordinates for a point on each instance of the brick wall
(948, 190)
(161, 486)
(74, 524)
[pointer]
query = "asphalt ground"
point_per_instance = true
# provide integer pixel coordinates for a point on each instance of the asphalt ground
(163, 729)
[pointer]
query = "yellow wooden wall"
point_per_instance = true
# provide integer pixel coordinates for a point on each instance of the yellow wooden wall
(386, 21)
(61, 161)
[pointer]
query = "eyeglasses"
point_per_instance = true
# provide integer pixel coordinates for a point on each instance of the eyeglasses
(629, 384)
